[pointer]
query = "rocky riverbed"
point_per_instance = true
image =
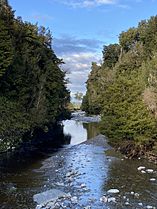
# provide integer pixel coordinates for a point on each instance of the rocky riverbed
(81, 116)
(87, 174)
(85, 177)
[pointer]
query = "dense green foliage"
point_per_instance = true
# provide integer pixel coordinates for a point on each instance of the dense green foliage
(33, 90)
(123, 89)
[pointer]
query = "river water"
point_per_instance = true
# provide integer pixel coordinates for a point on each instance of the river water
(99, 171)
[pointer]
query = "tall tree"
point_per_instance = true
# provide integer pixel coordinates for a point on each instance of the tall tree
(33, 92)
(125, 87)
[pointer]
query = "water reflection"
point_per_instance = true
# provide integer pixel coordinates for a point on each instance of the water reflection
(18, 179)
(76, 130)
(80, 131)
(21, 179)
(92, 129)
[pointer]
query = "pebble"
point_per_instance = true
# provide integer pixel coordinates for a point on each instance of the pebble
(13, 189)
(140, 204)
(60, 184)
(149, 170)
(149, 207)
(127, 203)
(103, 199)
(74, 200)
(141, 168)
(113, 191)
(152, 179)
(137, 195)
(82, 185)
(111, 199)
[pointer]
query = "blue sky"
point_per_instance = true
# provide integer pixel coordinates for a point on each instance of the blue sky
(80, 28)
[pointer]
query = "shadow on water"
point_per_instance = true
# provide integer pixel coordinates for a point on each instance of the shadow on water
(19, 180)
(26, 173)
(40, 146)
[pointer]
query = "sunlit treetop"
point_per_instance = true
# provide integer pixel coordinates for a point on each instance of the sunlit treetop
(4, 2)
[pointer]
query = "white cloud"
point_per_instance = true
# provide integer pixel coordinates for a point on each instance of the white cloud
(86, 3)
(76, 63)
(105, 1)
(78, 54)
(72, 45)
(79, 66)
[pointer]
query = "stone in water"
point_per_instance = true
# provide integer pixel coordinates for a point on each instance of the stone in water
(141, 168)
(113, 191)
(152, 179)
(149, 170)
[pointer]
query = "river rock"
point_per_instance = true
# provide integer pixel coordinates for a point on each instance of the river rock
(140, 204)
(152, 179)
(141, 168)
(45, 197)
(111, 199)
(103, 199)
(150, 170)
(82, 185)
(113, 191)
(74, 200)
(136, 195)
(60, 184)
(127, 203)
(86, 119)
(149, 207)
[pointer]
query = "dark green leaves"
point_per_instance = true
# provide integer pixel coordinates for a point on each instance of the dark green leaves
(33, 89)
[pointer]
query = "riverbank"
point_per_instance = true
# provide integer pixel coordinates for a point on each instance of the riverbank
(84, 173)
(128, 148)
(84, 176)
(134, 151)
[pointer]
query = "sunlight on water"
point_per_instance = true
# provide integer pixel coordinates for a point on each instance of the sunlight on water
(80, 131)
(76, 130)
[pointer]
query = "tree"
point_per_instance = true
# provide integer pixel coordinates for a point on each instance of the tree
(4, 3)
(124, 87)
(31, 82)
(129, 38)
(79, 96)
(111, 55)
(6, 48)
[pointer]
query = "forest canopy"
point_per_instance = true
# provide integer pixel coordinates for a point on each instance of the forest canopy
(124, 88)
(33, 92)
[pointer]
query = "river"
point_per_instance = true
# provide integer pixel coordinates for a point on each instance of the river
(87, 172)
